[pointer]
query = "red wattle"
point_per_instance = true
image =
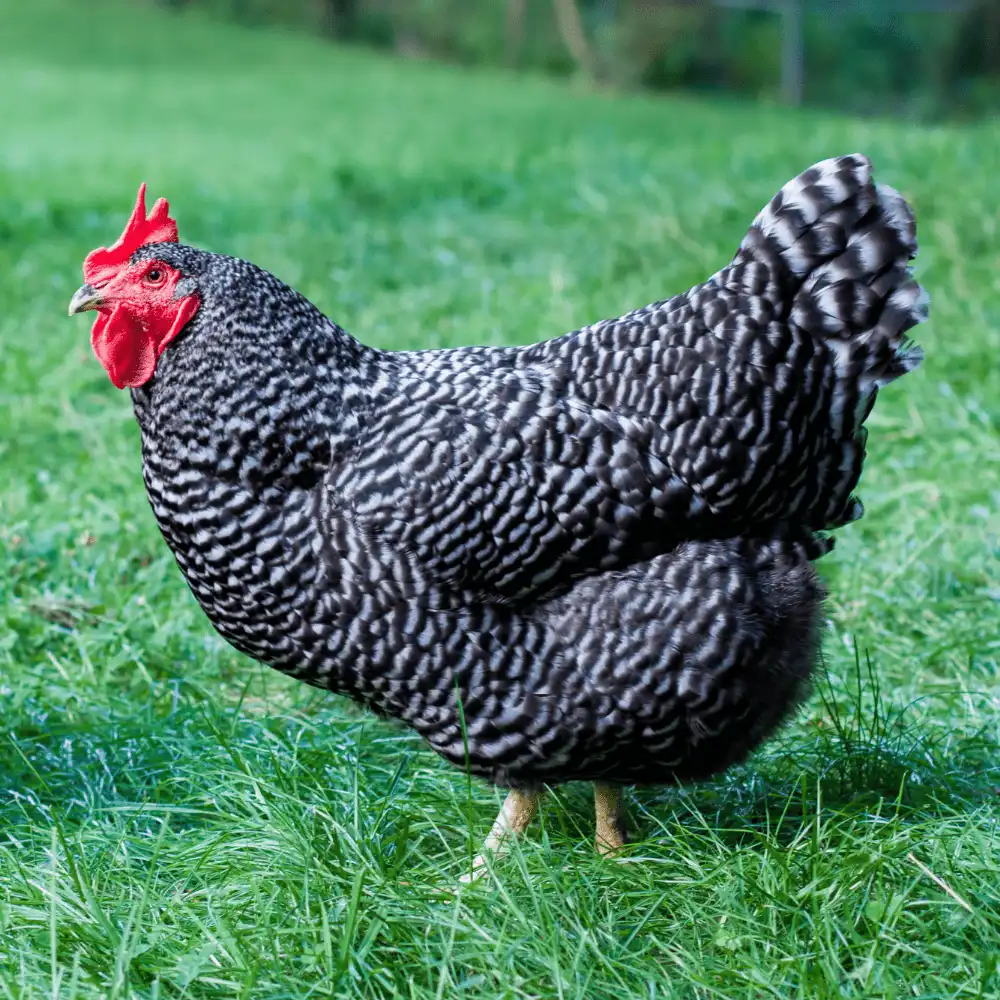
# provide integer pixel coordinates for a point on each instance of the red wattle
(123, 347)
(126, 347)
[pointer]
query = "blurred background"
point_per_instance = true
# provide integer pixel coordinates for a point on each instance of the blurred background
(922, 58)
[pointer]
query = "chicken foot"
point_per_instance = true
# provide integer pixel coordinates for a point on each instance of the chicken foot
(519, 809)
(515, 814)
(611, 831)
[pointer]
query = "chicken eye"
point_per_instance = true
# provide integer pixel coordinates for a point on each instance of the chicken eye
(154, 275)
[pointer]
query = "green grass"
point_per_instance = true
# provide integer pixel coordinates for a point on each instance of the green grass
(176, 821)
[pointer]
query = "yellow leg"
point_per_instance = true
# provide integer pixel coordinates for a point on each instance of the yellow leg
(610, 822)
(515, 815)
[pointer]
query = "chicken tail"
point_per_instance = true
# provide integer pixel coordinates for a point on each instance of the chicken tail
(831, 252)
(844, 246)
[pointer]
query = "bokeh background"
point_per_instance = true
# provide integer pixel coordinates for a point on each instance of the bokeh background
(907, 57)
(176, 821)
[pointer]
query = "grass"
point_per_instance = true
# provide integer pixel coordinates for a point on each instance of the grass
(176, 821)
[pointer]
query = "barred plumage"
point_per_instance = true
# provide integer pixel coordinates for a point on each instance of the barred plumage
(601, 544)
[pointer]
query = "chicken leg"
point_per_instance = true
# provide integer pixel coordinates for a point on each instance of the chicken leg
(515, 814)
(611, 832)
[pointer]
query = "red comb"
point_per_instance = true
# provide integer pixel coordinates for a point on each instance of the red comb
(157, 227)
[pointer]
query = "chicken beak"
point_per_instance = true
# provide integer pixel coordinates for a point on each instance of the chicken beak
(86, 297)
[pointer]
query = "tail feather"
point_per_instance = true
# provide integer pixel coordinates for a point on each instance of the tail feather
(831, 253)
(844, 245)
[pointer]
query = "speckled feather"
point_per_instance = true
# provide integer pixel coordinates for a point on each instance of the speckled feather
(601, 543)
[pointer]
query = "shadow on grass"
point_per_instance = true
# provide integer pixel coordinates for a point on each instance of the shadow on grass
(339, 783)
(862, 757)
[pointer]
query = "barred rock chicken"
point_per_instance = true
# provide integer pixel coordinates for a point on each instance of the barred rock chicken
(590, 558)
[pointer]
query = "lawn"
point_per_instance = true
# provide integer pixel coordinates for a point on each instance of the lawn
(177, 821)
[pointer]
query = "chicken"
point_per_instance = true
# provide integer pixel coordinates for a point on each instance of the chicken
(590, 558)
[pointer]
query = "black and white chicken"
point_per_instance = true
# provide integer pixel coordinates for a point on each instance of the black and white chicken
(590, 558)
